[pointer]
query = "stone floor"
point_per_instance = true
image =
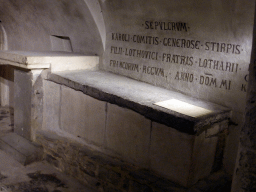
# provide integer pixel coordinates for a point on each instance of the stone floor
(36, 177)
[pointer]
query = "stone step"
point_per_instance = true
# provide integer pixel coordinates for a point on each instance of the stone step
(21, 149)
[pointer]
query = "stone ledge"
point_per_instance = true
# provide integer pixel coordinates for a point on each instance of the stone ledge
(140, 97)
(56, 61)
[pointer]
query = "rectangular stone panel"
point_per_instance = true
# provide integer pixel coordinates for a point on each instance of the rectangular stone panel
(51, 110)
(171, 153)
(22, 103)
(82, 116)
(128, 135)
(203, 157)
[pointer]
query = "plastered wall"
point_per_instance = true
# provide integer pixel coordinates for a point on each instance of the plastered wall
(30, 24)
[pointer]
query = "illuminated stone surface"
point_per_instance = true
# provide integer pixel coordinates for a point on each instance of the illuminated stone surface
(184, 108)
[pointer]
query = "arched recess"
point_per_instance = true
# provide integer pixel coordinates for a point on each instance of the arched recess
(95, 9)
(3, 38)
(6, 73)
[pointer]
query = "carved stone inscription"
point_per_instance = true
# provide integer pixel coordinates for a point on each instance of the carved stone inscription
(177, 60)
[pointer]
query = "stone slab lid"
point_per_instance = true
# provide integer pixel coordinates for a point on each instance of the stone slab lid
(144, 98)
(57, 61)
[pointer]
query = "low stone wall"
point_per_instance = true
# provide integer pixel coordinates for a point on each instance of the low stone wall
(105, 173)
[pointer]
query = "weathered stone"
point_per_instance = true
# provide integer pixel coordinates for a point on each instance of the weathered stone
(88, 167)
(248, 138)
(22, 103)
(109, 176)
(53, 161)
(51, 112)
(21, 149)
(248, 161)
(169, 156)
(82, 116)
(203, 157)
(218, 160)
(137, 187)
(128, 134)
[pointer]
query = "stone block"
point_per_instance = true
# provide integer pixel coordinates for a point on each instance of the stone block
(51, 111)
(109, 176)
(6, 119)
(82, 116)
(88, 167)
(181, 157)
(22, 102)
(21, 149)
(128, 134)
(6, 92)
(204, 151)
(216, 128)
(170, 153)
(137, 187)
(248, 161)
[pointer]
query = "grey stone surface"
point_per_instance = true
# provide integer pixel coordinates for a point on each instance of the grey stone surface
(56, 61)
(28, 103)
(171, 153)
(82, 116)
(128, 134)
(139, 97)
(203, 157)
(22, 102)
(51, 109)
(180, 157)
(21, 149)
(36, 102)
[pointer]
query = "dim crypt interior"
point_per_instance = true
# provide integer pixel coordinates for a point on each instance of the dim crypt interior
(131, 95)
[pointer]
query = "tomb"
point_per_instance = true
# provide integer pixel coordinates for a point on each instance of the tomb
(161, 98)
(121, 117)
